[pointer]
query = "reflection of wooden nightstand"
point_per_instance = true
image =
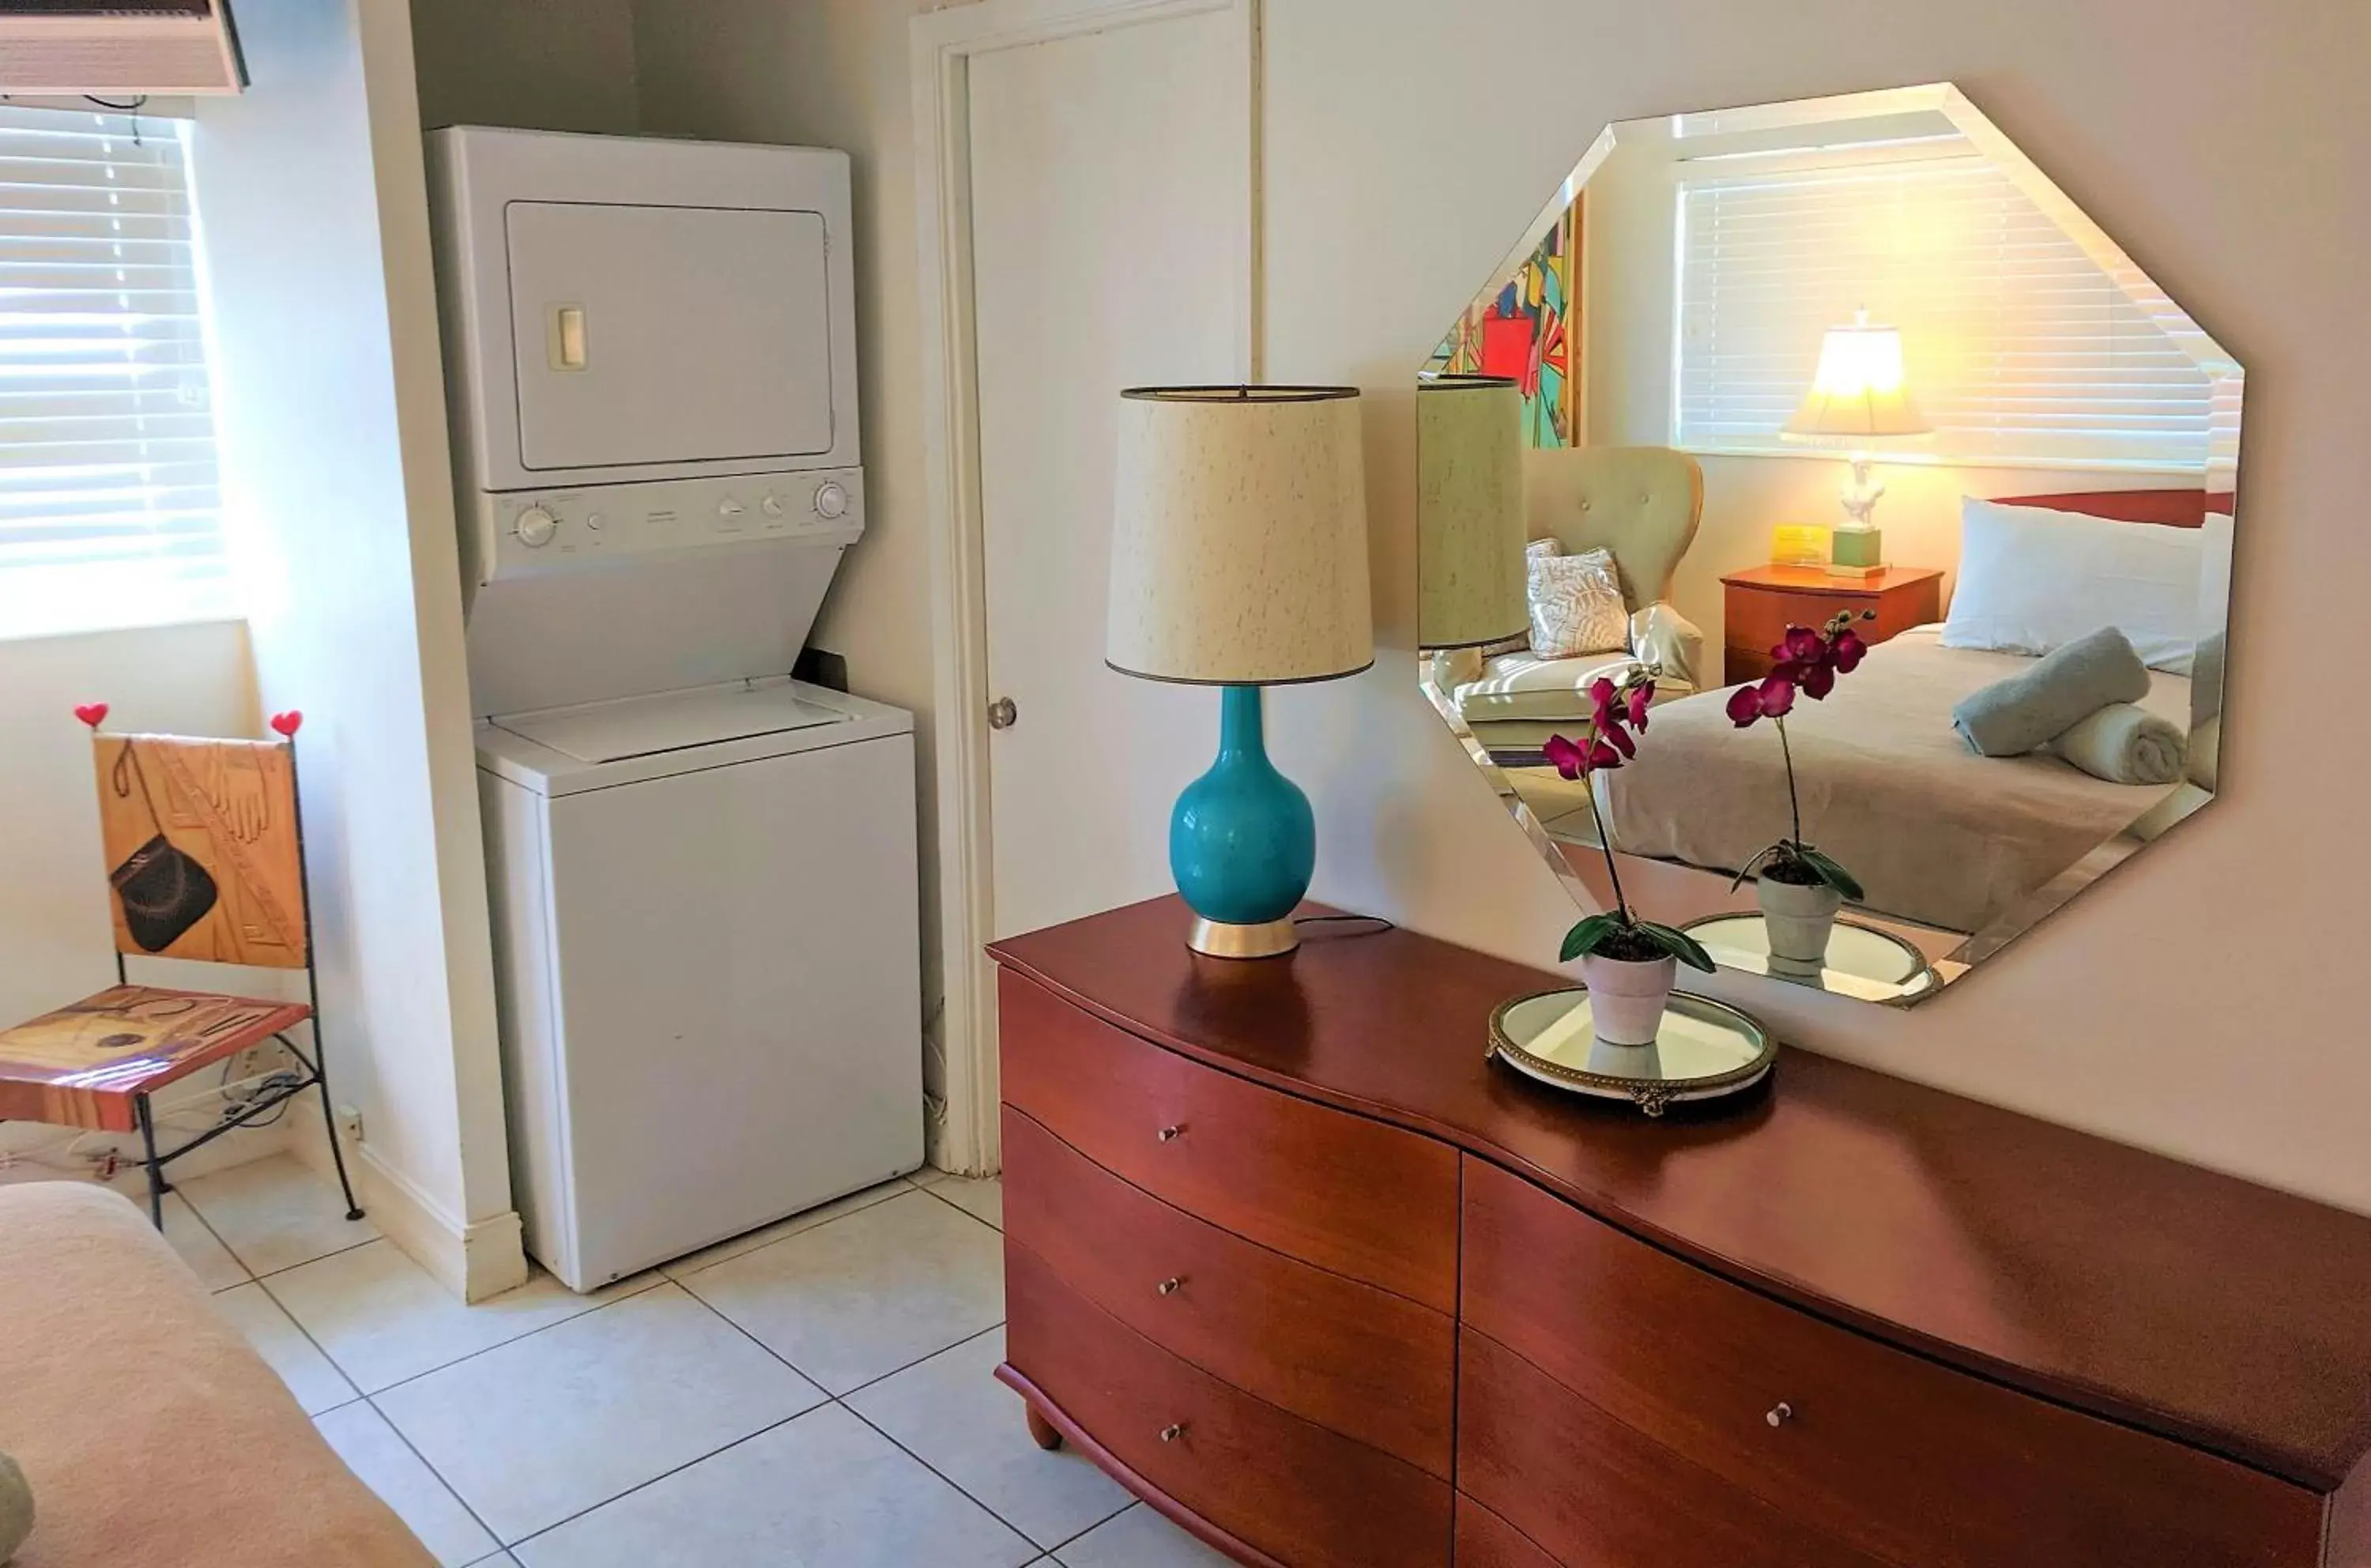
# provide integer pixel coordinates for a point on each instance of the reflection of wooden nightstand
(1762, 604)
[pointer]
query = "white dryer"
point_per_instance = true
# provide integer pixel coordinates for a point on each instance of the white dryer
(707, 957)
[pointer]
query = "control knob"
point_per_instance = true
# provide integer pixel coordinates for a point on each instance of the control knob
(535, 528)
(831, 499)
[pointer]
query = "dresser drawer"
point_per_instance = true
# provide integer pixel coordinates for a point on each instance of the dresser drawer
(1596, 1494)
(1486, 1540)
(1347, 1195)
(1305, 1496)
(1362, 1361)
(1903, 1458)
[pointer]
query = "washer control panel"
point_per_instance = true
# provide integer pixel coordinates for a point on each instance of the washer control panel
(534, 533)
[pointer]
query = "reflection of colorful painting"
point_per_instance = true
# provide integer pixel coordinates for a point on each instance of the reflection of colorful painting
(1530, 331)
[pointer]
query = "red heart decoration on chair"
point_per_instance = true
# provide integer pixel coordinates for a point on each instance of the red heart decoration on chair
(288, 723)
(91, 713)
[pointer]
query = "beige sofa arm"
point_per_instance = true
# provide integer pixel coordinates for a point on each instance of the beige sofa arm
(1661, 635)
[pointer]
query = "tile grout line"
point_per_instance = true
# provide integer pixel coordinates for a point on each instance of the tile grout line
(659, 1278)
(384, 1419)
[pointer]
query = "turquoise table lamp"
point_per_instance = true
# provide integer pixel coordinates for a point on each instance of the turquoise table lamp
(1239, 560)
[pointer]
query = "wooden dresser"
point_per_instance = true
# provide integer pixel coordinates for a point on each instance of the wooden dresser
(1292, 1260)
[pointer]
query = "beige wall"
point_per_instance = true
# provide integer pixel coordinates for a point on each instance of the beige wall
(544, 65)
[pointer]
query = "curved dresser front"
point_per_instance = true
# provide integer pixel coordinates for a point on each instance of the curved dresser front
(1287, 1257)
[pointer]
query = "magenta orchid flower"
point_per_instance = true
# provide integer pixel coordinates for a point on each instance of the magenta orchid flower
(1806, 662)
(1618, 717)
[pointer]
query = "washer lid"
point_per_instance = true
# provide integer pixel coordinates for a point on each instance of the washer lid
(643, 726)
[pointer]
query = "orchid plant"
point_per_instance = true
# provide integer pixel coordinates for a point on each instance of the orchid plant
(1619, 719)
(1808, 664)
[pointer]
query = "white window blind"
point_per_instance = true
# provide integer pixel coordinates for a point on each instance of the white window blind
(110, 500)
(2017, 347)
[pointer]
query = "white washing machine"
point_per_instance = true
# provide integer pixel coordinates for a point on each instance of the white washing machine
(708, 956)
(703, 874)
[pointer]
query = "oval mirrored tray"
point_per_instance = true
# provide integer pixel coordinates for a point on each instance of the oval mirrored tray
(1863, 962)
(1706, 1050)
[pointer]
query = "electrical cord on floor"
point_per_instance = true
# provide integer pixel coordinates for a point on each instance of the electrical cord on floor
(1375, 924)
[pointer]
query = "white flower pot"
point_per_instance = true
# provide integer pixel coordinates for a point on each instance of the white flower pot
(1626, 996)
(1798, 919)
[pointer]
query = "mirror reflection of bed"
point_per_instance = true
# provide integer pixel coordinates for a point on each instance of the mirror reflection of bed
(1740, 314)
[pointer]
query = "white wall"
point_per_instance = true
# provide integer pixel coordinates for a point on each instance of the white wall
(330, 395)
(544, 64)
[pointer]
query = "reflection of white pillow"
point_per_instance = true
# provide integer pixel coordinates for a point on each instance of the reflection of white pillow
(1576, 607)
(2032, 580)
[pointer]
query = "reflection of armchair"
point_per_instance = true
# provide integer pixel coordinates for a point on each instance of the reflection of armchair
(1643, 503)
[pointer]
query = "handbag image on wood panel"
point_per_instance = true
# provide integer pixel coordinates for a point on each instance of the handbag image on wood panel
(162, 891)
(201, 849)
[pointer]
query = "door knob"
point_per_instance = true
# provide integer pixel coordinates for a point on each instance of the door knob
(1002, 714)
(1172, 1133)
(1171, 1434)
(1171, 1285)
(1780, 1414)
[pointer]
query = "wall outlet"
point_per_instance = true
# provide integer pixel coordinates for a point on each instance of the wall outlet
(350, 1123)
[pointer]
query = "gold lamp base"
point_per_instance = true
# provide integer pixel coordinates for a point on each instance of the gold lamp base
(1270, 939)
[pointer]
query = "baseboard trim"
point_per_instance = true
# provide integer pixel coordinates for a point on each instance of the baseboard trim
(472, 1259)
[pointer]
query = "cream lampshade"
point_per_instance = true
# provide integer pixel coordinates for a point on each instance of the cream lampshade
(1239, 547)
(1859, 396)
(1238, 559)
(1470, 581)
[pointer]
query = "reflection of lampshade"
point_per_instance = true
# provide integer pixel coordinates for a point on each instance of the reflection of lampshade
(1239, 551)
(1238, 558)
(1857, 397)
(1858, 393)
(1470, 585)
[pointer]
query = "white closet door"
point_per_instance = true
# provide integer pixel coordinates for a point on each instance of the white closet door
(1111, 211)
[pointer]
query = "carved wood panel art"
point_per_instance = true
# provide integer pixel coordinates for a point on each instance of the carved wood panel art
(202, 848)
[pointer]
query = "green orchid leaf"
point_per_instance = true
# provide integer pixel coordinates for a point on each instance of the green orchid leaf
(1679, 944)
(1582, 939)
(1835, 876)
(1747, 869)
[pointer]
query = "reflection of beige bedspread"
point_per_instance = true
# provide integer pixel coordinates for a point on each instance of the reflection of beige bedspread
(1933, 832)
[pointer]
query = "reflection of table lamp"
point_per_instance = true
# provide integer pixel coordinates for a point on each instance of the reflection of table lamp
(1470, 589)
(1857, 398)
(1238, 559)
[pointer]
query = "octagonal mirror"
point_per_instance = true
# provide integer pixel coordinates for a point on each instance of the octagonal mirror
(1887, 499)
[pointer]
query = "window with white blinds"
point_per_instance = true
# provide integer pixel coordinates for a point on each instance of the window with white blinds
(110, 500)
(2017, 346)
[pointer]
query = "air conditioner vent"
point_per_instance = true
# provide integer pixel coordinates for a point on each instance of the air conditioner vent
(111, 48)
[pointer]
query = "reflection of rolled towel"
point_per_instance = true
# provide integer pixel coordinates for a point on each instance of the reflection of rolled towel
(2026, 711)
(2125, 744)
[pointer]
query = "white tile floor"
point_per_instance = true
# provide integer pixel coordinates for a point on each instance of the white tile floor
(814, 1394)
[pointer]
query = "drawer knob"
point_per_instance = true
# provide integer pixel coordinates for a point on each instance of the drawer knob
(1172, 1133)
(1171, 1285)
(1779, 1415)
(1171, 1434)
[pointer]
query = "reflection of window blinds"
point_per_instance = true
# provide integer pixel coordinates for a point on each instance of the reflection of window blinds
(2017, 346)
(109, 508)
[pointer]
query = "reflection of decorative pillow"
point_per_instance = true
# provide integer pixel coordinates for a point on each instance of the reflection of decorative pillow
(1576, 607)
(2033, 579)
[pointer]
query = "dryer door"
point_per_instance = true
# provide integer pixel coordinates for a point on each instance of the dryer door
(652, 334)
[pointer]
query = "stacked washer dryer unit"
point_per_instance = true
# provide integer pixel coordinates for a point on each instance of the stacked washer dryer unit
(703, 872)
